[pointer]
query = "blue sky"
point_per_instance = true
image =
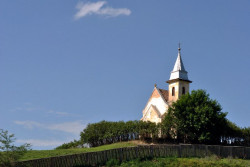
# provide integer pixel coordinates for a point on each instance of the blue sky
(64, 64)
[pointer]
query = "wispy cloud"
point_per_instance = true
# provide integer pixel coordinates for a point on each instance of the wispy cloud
(70, 127)
(26, 108)
(29, 124)
(98, 8)
(30, 108)
(58, 113)
(41, 143)
(74, 127)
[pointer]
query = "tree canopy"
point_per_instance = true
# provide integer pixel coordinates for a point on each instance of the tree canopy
(106, 132)
(195, 118)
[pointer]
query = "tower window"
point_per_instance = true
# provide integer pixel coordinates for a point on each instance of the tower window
(173, 91)
(183, 90)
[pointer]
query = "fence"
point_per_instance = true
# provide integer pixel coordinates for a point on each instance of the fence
(142, 151)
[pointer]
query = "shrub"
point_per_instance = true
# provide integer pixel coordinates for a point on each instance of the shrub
(9, 153)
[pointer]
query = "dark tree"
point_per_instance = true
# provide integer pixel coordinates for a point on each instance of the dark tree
(195, 118)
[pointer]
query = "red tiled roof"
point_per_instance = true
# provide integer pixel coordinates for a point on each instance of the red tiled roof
(164, 93)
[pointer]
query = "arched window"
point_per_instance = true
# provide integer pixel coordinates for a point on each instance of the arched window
(173, 91)
(183, 90)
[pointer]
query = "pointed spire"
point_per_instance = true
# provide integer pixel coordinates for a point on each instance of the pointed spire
(179, 71)
(179, 64)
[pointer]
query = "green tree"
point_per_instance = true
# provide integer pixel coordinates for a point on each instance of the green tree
(246, 136)
(233, 134)
(106, 132)
(72, 144)
(9, 153)
(195, 118)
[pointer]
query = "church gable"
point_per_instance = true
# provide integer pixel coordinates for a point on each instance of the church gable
(156, 105)
(152, 114)
(155, 94)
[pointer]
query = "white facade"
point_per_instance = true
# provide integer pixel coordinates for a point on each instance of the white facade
(155, 108)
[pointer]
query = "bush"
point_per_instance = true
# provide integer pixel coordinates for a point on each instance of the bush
(72, 144)
(113, 162)
(9, 153)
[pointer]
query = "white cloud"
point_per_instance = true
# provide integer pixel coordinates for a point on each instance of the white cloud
(58, 113)
(29, 124)
(74, 127)
(114, 12)
(28, 107)
(25, 108)
(98, 8)
(41, 143)
(70, 127)
(88, 8)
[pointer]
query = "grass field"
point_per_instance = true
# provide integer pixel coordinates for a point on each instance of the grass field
(183, 162)
(36, 154)
(212, 161)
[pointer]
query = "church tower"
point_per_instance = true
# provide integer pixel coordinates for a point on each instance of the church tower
(178, 82)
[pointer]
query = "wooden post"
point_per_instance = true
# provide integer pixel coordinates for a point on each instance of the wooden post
(179, 151)
(219, 153)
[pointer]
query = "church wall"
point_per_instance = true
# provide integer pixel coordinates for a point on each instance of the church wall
(152, 116)
(178, 90)
(171, 85)
(183, 84)
(158, 102)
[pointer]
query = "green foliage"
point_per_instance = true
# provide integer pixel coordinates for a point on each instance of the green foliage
(72, 144)
(187, 162)
(233, 134)
(105, 132)
(113, 162)
(246, 136)
(195, 118)
(9, 153)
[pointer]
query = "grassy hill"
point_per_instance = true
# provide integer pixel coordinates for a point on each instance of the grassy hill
(36, 154)
(169, 161)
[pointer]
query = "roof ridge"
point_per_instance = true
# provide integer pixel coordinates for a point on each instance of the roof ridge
(163, 96)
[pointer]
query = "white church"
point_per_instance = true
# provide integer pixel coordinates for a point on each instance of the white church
(161, 99)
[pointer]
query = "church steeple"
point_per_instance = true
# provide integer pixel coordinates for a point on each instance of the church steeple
(178, 83)
(179, 71)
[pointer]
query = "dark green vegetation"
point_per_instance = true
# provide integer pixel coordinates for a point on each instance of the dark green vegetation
(198, 119)
(194, 118)
(36, 154)
(72, 144)
(110, 132)
(9, 153)
(182, 162)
